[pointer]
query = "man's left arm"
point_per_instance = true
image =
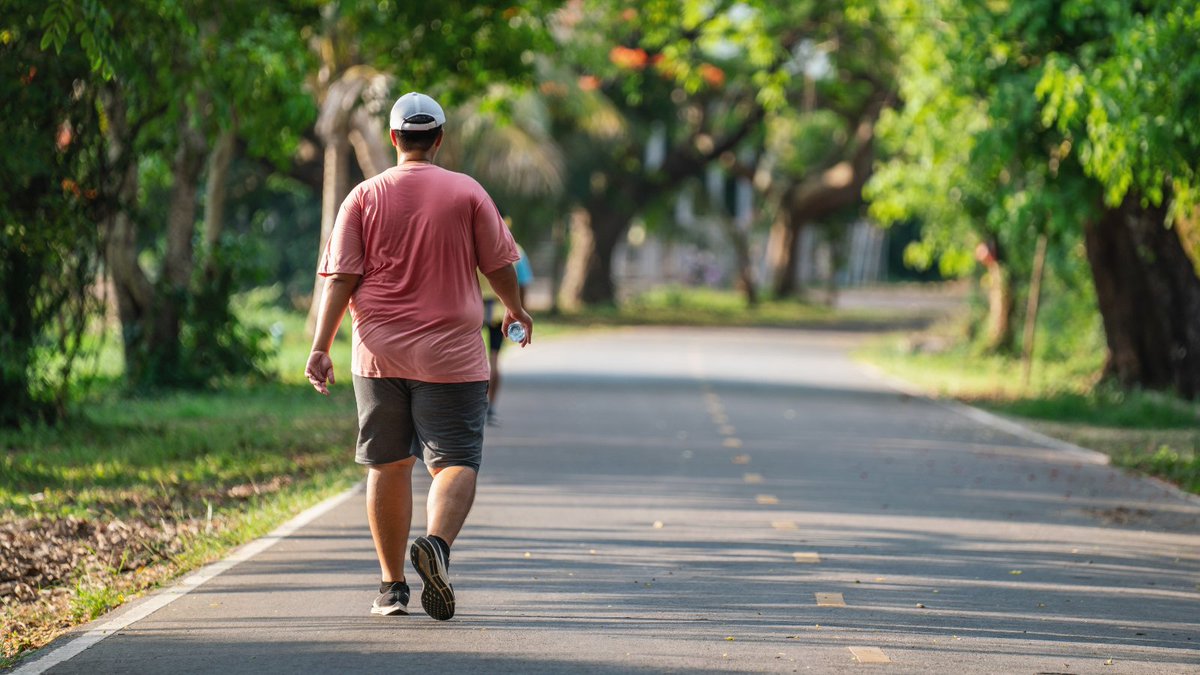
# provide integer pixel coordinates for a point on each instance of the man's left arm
(504, 283)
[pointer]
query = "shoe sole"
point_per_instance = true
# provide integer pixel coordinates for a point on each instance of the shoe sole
(437, 595)
(389, 611)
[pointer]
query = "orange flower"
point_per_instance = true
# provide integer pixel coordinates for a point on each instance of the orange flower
(629, 14)
(624, 57)
(63, 139)
(589, 82)
(714, 76)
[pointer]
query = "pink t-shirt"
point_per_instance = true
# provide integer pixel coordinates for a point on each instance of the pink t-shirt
(416, 233)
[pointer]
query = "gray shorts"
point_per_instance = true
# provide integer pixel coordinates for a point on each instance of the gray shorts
(442, 424)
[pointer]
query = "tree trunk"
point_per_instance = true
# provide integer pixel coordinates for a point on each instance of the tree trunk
(335, 188)
(740, 239)
(998, 285)
(1149, 298)
(217, 187)
(823, 193)
(133, 292)
(596, 228)
(783, 244)
(350, 117)
(608, 225)
(581, 248)
(163, 347)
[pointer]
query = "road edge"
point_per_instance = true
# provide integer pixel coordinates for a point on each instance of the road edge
(89, 634)
(1012, 427)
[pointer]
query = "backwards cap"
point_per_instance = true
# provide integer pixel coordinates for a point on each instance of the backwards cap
(416, 112)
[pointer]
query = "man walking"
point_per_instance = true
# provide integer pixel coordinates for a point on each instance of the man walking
(402, 257)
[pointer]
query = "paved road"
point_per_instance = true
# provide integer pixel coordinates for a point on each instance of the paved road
(671, 500)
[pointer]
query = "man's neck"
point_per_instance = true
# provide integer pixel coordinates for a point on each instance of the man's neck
(414, 158)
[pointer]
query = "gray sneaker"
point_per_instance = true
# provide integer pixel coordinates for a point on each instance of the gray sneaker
(393, 599)
(437, 595)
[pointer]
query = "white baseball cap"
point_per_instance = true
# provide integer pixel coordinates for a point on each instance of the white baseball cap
(416, 112)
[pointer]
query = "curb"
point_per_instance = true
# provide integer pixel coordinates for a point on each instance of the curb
(91, 633)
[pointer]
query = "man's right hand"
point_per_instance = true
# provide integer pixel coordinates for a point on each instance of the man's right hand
(319, 371)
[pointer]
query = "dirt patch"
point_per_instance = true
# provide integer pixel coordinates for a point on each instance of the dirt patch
(38, 554)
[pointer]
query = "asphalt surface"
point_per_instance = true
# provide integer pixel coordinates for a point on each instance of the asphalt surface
(715, 501)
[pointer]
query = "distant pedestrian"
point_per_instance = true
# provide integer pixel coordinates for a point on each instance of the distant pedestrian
(493, 322)
(403, 257)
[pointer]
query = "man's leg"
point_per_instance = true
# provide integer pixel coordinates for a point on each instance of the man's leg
(450, 498)
(449, 419)
(389, 512)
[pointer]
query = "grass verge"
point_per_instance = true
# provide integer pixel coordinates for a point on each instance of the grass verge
(708, 307)
(1146, 431)
(132, 492)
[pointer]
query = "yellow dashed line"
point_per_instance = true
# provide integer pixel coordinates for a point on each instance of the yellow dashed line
(767, 499)
(732, 442)
(720, 418)
(728, 430)
(741, 459)
(830, 600)
(807, 557)
(783, 525)
(752, 478)
(869, 655)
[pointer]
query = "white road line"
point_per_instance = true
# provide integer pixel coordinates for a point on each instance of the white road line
(156, 601)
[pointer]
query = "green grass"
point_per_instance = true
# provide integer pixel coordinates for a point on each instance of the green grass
(687, 306)
(1147, 431)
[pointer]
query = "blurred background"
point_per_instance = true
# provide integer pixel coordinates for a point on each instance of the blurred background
(1015, 179)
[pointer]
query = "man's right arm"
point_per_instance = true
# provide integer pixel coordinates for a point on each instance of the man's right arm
(338, 289)
(504, 283)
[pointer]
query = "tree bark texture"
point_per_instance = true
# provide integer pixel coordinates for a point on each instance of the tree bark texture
(1149, 298)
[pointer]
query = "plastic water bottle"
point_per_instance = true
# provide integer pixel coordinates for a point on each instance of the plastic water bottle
(516, 331)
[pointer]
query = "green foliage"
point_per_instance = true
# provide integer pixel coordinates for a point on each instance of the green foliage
(1023, 119)
(453, 49)
(48, 199)
(1127, 99)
